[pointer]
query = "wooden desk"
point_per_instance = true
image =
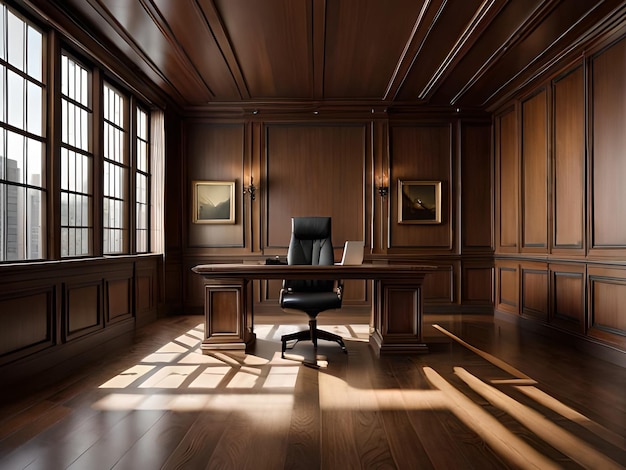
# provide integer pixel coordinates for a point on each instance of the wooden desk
(396, 304)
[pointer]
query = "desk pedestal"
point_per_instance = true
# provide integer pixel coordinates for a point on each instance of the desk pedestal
(228, 314)
(397, 317)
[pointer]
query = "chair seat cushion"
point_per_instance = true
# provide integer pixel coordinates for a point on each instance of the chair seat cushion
(310, 301)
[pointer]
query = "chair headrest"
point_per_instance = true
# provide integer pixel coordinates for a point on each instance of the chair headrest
(311, 228)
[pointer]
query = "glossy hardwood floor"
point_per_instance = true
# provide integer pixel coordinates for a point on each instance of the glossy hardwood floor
(487, 395)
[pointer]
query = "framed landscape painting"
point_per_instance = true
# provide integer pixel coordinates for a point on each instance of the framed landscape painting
(419, 202)
(213, 202)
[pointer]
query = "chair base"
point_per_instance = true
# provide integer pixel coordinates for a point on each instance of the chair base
(312, 334)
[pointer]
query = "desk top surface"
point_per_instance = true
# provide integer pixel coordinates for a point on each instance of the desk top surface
(282, 271)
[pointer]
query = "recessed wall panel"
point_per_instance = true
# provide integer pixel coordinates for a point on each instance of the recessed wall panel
(535, 174)
(421, 153)
(507, 182)
(535, 293)
(477, 285)
(507, 287)
(568, 306)
(608, 165)
(607, 297)
(84, 311)
(569, 161)
(215, 153)
(315, 170)
(476, 186)
(25, 321)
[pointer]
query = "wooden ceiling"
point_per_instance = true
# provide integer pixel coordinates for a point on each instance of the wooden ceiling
(254, 53)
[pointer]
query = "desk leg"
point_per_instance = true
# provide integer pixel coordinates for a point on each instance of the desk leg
(397, 317)
(228, 315)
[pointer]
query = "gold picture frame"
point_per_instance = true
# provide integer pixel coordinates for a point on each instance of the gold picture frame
(419, 202)
(213, 202)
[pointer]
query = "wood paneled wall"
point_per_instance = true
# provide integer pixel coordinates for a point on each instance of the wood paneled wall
(68, 311)
(560, 199)
(331, 166)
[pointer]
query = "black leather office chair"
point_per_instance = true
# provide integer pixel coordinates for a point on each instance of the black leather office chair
(311, 244)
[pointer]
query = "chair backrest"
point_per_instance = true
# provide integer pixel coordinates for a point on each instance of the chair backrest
(310, 244)
(310, 241)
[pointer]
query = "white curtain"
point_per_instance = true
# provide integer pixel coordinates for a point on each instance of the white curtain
(157, 154)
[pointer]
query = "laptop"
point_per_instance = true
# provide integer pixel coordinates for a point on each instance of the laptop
(352, 253)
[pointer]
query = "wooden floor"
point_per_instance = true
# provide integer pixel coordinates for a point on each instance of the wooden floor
(486, 396)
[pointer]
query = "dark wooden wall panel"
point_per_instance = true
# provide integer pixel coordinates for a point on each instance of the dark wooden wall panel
(421, 153)
(535, 174)
(119, 294)
(535, 291)
(569, 161)
(146, 285)
(477, 284)
(608, 165)
(316, 170)
(568, 306)
(476, 188)
(173, 286)
(572, 171)
(507, 286)
(217, 152)
(607, 296)
(83, 308)
(331, 166)
(507, 182)
(26, 321)
(439, 286)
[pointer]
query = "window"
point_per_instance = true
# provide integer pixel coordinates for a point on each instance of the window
(76, 160)
(23, 194)
(105, 168)
(142, 184)
(116, 170)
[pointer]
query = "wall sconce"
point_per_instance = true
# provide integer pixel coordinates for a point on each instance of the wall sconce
(250, 189)
(383, 187)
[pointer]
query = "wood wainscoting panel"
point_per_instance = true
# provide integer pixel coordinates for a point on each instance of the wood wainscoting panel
(422, 153)
(476, 284)
(567, 284)
(145, 308)
(476, 186)
(118, 296)
(439, 285)
(535, 174)
(607, 305)
(194, 289)
(569, 162)
(26, 322)
(507, 182)
(507, 286)
(173, 284)
(83, 309)
(608, 165)
(534, 291)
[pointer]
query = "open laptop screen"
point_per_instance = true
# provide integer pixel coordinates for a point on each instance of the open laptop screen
(352, 253)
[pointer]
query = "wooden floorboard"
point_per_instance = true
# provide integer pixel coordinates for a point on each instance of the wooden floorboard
(487, 395)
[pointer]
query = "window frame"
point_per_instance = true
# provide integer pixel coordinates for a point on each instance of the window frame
(137, 202)
(93, 250)
(124, 166)
(24, 189)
